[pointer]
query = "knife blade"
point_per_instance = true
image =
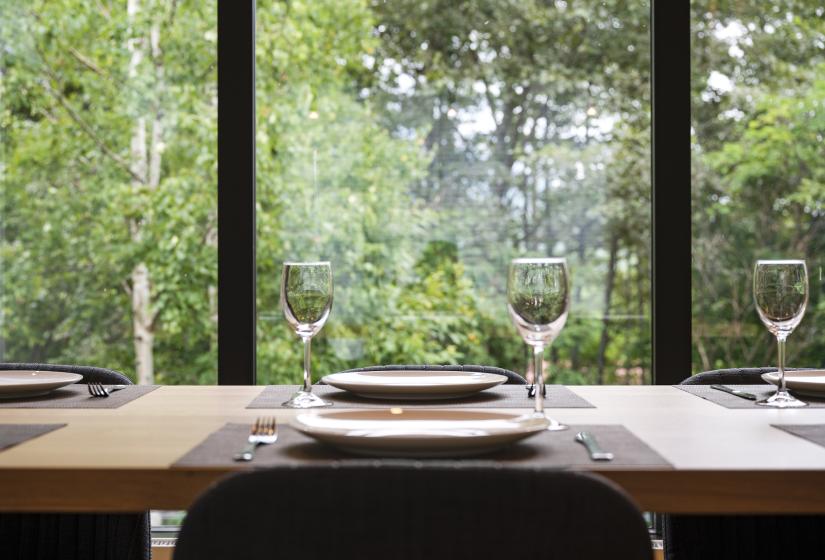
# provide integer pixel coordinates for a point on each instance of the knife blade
(735, 392)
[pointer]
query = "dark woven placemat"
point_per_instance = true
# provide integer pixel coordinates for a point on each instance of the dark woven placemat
(77, 396)
(731, 401)
(548, 449)
(502, 396)
(815, 433)
(14, 434)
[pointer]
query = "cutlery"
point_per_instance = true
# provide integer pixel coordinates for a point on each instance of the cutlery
(596, 452)
(736, 392)
(264, 431)
(99, 390)
(531, 391)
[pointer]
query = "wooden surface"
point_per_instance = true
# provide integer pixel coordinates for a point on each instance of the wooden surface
(728, 461)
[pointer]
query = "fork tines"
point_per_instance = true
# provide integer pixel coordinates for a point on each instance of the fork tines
(97, 389)
(265, 426)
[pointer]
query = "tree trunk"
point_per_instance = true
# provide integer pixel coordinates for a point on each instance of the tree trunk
(145, 156)
(608, 295)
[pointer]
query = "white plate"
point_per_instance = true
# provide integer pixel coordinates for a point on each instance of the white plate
(414, 384)
(400, 432)
(809, 382)
(29, 383)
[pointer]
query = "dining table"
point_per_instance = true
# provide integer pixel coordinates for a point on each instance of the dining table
(719, 459)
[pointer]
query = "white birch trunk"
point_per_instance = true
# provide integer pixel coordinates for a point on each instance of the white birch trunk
(145, 162)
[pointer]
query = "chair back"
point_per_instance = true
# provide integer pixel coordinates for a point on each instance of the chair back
(732, 376)
(375, 510)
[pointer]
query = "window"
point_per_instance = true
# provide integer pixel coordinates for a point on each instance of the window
(108, 169)
(758, 95)
(421, 146)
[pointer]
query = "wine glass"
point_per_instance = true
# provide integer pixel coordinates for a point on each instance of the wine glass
(306, 298)
(538, 299)
(780, 291)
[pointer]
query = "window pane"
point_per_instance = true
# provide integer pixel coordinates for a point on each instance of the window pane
(758, 88)
(420, 146)
(108, 169)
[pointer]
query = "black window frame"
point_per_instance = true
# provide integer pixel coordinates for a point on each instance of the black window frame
(670, 192)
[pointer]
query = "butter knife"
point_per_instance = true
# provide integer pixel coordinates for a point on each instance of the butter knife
(735, 392)
(593, 448)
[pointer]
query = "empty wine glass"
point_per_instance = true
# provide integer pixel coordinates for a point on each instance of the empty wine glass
(306, 298)
(780, 291)
(538, 300)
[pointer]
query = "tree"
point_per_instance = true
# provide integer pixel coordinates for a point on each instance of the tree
(109, 197)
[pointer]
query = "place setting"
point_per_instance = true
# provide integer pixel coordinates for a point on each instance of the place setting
(780, 293)
(306, 300)
(405, 421)
(58, 389)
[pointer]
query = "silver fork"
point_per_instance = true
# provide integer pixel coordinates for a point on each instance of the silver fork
(264, 431)
(97, 389)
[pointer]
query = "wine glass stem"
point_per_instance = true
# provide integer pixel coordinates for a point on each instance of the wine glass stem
(307, 372)
(538, 378)
(780, 341)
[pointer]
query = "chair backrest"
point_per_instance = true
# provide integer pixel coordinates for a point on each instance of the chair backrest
(402, 510)
(732, 376)
(89, 373)
(512, 377)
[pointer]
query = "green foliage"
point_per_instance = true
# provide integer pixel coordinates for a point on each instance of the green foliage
(758, 172)
(418, 146)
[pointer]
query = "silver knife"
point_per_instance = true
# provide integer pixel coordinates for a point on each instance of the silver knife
(596, 452)
(735, 392)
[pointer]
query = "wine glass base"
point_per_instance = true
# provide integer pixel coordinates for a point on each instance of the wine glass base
(303, 399)
(782, 399)
(555, 425)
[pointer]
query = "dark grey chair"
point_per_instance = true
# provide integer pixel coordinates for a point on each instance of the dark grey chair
(70, 536)
(512, 377)
(742, 537)
(374, 510)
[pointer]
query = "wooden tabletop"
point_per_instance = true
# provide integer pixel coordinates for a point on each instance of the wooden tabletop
(725, 460)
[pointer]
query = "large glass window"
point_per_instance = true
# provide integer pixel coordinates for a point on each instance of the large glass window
(108, 170)
(420, 146)
(758, 87)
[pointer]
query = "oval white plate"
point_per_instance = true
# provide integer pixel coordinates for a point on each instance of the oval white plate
(809, 382)
(30, 383)
(400, 432)
(414, 385)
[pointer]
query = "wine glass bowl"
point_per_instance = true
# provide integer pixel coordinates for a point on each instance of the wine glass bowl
(538, 301)
(306, 300)
(780, 294)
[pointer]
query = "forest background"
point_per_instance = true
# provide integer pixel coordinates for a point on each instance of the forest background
(419, 146)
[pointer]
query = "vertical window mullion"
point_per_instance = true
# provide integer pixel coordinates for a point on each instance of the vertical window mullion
(671, 243)
(236, 192)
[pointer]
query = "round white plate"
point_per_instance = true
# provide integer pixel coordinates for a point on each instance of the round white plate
(401, 432)
(29, 383)
(414, 385)
(809, 382)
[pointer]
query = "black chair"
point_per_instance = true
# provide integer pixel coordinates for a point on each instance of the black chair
(70, 536)
(404, 510)
(512, 377)
(732, 376)
(741, 537)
